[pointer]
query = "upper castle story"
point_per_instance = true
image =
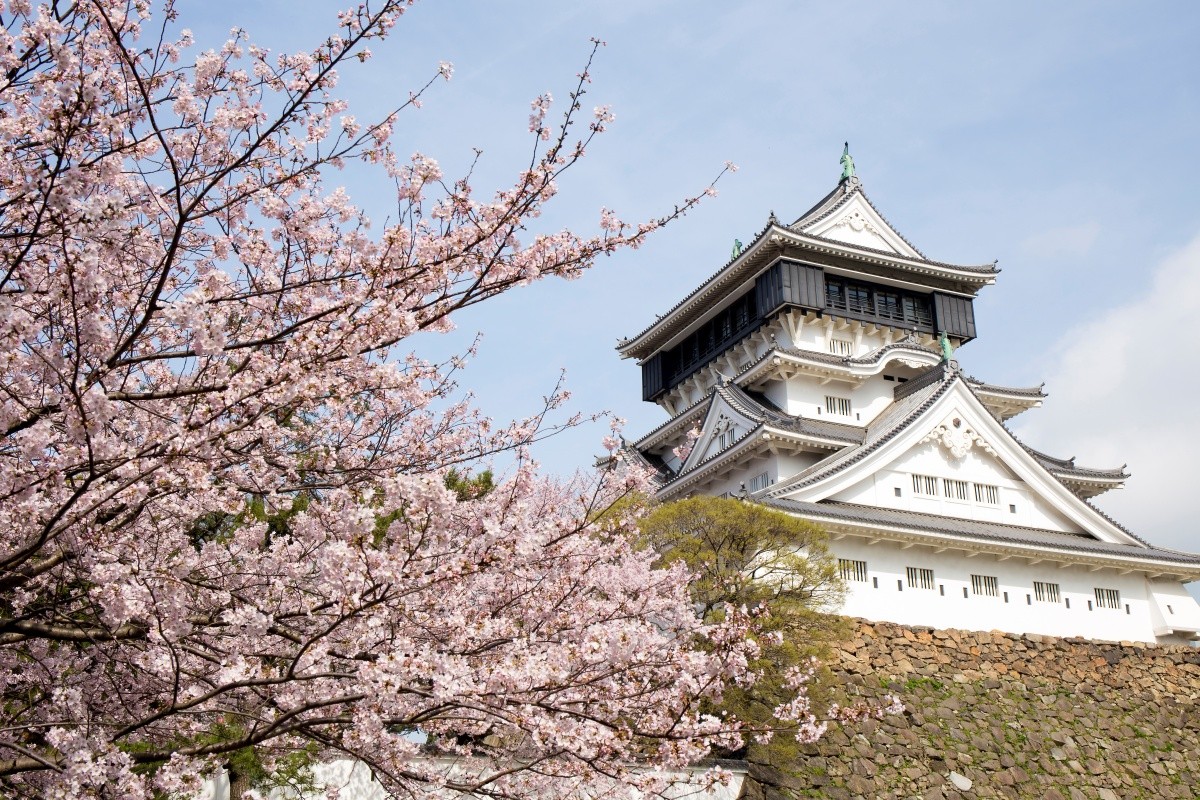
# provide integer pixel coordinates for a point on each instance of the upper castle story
(838, 295)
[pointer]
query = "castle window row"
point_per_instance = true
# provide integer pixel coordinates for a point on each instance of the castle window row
(922, 578)
(874, 301)
(953, 489)
(806, 287)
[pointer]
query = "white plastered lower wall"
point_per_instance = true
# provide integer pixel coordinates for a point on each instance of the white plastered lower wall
(886, 596)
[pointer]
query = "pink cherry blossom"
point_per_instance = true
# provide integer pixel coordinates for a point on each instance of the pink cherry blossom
(224, 519)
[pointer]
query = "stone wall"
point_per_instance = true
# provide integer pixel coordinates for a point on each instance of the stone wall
(1003, 715)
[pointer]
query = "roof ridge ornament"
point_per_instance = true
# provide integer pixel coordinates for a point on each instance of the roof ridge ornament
(737, 249)
(946, 347)
(849, 181)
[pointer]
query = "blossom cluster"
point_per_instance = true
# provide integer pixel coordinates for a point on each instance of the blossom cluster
(224, 518)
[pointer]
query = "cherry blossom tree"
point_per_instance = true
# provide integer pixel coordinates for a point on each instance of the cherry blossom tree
(224, 517)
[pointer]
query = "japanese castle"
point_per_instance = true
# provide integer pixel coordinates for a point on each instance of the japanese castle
(817, 367)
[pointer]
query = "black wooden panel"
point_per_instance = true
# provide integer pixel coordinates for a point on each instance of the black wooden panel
(768, 290)
(808, 286)
(955, 315)
(789, 283)
(652, 377)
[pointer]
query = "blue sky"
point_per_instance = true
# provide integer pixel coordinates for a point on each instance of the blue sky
(1057, 138)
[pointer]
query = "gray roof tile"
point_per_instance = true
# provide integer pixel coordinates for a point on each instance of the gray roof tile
(975, 529)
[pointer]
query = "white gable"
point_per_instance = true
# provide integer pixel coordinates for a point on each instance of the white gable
(858, 223)
(958, 439)
(955, 472)
(722, 426)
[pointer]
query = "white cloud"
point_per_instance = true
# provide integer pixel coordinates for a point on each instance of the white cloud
(1063, 242)
(1125, 388)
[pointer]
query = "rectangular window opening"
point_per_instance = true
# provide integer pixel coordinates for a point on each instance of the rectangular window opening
(955, 489)
(838, 405)
(987, 495)
(841, 347)
(1046, 592)
(760, 481)
(920, 578)
(985, 586)
(1107, 598)
(925, 485)
(852, 570)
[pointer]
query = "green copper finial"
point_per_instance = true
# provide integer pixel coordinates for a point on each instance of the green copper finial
(947, 349)
(737, 249)
(847, 163)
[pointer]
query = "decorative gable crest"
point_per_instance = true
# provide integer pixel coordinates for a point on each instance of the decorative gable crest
(957, 439)
(855, 221)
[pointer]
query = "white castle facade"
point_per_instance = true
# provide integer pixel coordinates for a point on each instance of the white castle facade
(817, 367)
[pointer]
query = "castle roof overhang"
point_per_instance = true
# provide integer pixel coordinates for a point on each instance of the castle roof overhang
(829, 364)
(774, 240)
(766, 427)
(676, 425)
(760, 437)
(1007, 401)
(946, 533)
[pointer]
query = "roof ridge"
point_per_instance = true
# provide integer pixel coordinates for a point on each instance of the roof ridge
(843, 197)
(807, 220)
(732, 260)
(674, 419)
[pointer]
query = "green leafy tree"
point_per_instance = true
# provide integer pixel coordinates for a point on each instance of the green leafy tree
(470, 486)
(746, 555)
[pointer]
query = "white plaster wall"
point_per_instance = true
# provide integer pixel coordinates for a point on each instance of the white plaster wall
(945, 606)
(732, 481)
(807, 398)
(788, 465)
(976, 467)
(1172, 607)
(777, 393)
(816, 335)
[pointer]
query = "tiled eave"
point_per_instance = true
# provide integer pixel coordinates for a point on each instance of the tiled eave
(755, 439)
(1017, 393)
(1089, 481)
(758, 255)
(1106, 480)
(994, 538)
(735, 271)
(827, 363)
(979, 275)
(676, 424)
